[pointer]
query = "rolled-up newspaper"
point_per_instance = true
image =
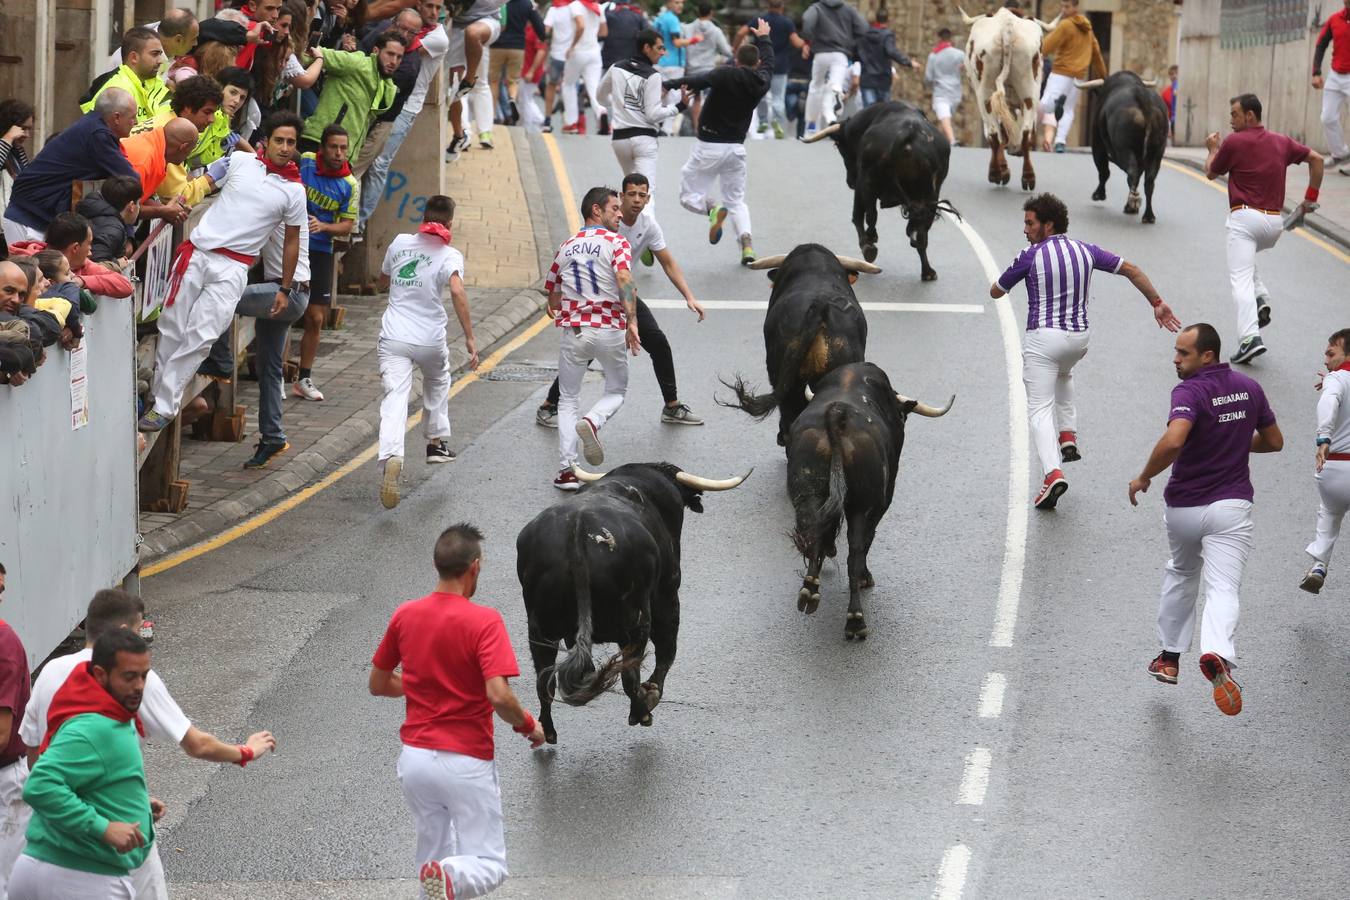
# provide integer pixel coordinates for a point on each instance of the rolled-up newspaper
(1296, 216)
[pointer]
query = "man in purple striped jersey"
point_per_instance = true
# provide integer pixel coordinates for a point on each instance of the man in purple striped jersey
(1058, 271)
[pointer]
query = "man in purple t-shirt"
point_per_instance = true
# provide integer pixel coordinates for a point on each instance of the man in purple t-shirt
(1218, 418)
(1254, 160)
(1058, 271)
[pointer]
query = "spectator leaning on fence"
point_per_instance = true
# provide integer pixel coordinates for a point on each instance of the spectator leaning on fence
(111, 209)
(152, 152)
(408, 24)
(20, 344)
(356, 88)
(142, 56)
(88, 150)
(62, 296)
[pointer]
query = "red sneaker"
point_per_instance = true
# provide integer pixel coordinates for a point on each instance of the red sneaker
(1068, 447)
(567, 481)
(435, 884)
(1053, 488)
(1227, 694)
(1163, 670)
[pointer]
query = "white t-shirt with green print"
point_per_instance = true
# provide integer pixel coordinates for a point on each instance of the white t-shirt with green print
(419, 267)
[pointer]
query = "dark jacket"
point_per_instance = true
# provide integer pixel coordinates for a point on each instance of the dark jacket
(832, 26)
(42, 326)
(520, 14)
(86, 151)
(18, 351)
(110, 232)
(70, 292)
(621, 43)
(876, 51)
(736, 91)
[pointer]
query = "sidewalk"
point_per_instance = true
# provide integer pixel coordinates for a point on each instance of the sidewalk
(501, 224)
(1332, 219)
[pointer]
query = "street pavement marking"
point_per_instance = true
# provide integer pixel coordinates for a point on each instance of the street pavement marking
(975, 778)
(952, 876)
(1019, 459)
(991, 695)
(1302, 231)
(974, 308)
(570, 201)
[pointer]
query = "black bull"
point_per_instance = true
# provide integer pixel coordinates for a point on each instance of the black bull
(1130, 131)
(604, 567)
(814, 324)
(893, 156)
(843, 455)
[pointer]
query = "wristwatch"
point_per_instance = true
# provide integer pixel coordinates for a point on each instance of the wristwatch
(284, 290)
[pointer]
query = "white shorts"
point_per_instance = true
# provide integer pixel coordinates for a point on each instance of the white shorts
(455, 57)
(942, 108)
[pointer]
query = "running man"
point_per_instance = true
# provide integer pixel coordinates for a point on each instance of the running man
(631, 91)
(1058, 273)
(833, 29)
(593, 300)
(1335, 87)
(455, 657)
(582, 64)
(638, 225)
(719, 152)
(1254, 160)
(942, 74)
(1332, 462)
(1218, 418)
(1076, 54)
(417, 269)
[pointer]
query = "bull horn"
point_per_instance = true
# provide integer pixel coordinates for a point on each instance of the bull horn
(1088, 85)
(823, 133)
(1149, 82)
(709, 484)
(769, 262)
(586, 477)
(1048, 27)
(965, 18)
(924, 409)
(858, 265)
(810, 394)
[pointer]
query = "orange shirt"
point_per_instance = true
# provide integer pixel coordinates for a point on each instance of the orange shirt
(146, 153)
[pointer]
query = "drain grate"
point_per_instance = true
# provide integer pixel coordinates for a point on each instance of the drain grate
(528, 373)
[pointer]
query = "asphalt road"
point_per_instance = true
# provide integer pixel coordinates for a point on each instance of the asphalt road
(946, 755)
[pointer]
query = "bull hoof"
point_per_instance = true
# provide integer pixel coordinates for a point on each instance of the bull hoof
(1148, 218)
(855, 629)
(652, 694)
(782, 439)
(1130, 209)
(1099, 194)
(551, 737)
(807, 601)
(866, 581)
(929, 275)
(870, 252)
(644, 720)
(1028, 183)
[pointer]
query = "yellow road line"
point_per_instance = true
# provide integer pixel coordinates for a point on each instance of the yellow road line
(253, 523)
(1301, 231)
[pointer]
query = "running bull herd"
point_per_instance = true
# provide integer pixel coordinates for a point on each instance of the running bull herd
(604, 565)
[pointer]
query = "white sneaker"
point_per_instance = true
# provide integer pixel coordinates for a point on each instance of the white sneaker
(305, 388)
(389, 494)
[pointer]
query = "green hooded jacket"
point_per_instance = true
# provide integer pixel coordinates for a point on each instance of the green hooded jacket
(354, 94)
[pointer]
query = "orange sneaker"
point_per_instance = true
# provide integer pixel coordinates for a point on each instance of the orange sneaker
(1227, 694)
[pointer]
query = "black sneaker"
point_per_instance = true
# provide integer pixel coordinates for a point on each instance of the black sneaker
(215, 372)
(440, 452)
(1248, 350)
(264, 453)
(1262, 311)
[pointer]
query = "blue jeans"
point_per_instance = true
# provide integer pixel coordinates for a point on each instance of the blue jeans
(372, 185)
(773, 107)
(269, 346)
(873, 96)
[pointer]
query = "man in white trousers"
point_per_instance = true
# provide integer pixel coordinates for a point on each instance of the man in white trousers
(1218, 418)
(210, 271)
(1075, 53)
(1058, 271)
(582, 63)
(455, 657)
(1335, 87)
(416, 271)
(719, 152)
(1254, 159)
(833, 29)
(593, 301)
(632, 93)
(471, 35)
(1332, 462)
(163, 719)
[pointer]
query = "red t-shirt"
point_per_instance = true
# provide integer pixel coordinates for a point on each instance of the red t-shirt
(15, 687)
(448, 648)
(1254, 160)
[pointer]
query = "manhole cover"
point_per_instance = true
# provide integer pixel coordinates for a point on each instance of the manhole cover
(536, 373)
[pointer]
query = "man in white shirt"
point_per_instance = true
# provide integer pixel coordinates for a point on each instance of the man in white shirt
(583, 62)
(211, 270)
(432, 45)
(417, 269)
(632, 92)
(593, 302)
(160, 715)
(1333, 458)
(559, 25)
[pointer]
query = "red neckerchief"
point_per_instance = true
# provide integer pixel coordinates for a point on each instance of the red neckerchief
(435, 229)
(592, 6)
(562, 2)
(942, 45)
(1344, 367)
(417, 38)
(330, 173)
(83, 694)
(290, 171)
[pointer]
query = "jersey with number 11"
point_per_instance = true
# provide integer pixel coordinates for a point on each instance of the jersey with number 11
(585, 271)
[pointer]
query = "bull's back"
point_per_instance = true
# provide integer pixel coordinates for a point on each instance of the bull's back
(1133, 121)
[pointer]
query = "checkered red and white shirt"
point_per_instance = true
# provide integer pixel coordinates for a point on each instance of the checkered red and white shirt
(585, 271)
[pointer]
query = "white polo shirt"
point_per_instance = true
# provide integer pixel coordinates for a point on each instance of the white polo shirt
(159, 712)
(251, 204)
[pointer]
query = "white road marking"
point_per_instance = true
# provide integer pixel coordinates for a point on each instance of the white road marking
(968, 308)
(991, 695)
(975, 778)
(1019, 453)
(951, 879)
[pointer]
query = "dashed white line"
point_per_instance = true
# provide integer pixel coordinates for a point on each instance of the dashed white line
(1019, 460)
(952, 876)
(991, 695)
(975, 778)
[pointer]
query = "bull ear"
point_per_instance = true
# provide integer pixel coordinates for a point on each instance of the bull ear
(773, 276)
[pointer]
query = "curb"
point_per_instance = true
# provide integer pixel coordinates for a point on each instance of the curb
(362, 427)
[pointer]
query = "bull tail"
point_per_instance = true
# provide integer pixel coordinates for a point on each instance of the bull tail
(757, 405)
(998, 100)
(789, 369)
(576, 679)
(832, 508)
